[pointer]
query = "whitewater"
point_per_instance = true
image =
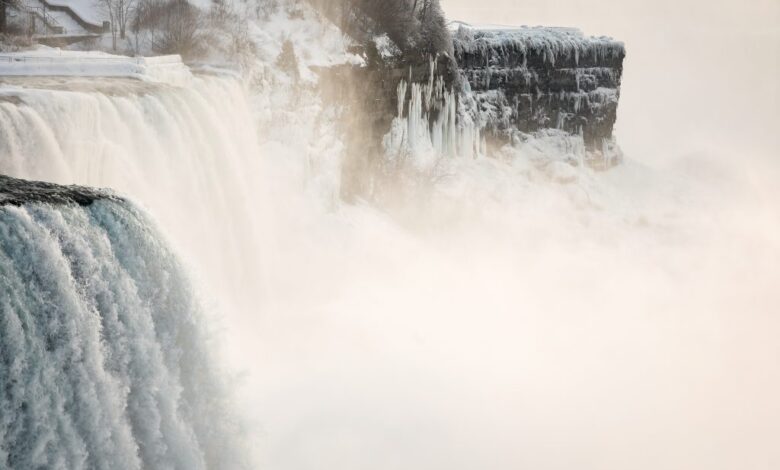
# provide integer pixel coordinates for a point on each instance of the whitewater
(225, 308)
(105, 354)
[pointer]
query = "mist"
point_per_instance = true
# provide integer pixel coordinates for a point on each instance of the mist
(503, 320)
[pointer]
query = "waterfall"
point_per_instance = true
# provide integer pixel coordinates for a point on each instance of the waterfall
(187, 154)
(104, 359)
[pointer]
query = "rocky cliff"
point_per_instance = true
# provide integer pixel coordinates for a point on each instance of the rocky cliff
(500, 86)
(528, 79)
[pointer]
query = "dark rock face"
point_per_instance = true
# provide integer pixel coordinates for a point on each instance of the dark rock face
(528, 79)
(17, 192)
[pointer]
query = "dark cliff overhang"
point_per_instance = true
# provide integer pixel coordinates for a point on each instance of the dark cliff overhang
(17, 192)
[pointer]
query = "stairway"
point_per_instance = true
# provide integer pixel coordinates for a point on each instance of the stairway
(56, 22)
(80, 12)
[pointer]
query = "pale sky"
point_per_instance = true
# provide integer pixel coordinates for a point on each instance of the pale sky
(697, 72)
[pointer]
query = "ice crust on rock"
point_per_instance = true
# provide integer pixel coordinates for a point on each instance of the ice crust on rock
(552, 43)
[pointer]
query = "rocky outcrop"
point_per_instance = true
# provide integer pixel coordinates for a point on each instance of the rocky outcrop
(529, 79)
(17, 192)
(500, 86)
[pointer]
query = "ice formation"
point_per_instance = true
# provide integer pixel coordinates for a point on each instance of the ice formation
(505, 45)
(427, 126)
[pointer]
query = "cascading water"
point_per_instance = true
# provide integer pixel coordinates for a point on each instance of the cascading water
(104, 357)
(188, 154)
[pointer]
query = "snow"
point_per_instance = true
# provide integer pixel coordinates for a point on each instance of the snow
(69, 25)
(46, 61)
(317, 42)
(88, 10)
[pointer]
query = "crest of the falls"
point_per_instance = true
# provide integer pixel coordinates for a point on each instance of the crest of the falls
(104, 358)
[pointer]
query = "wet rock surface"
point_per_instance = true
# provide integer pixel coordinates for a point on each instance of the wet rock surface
(17, 192)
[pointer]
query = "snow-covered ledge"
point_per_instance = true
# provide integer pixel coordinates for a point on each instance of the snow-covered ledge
(55, 62)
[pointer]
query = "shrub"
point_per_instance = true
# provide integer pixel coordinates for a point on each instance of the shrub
(174, 25)
(413, 25)
(287, 60)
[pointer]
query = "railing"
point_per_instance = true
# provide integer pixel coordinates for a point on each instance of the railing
(155, 60)
(163, 69)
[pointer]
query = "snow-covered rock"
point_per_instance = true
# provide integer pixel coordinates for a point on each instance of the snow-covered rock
(529, 79)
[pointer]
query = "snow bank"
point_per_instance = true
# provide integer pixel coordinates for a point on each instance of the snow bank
(56, 62)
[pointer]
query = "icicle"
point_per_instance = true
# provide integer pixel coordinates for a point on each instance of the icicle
(402, 87)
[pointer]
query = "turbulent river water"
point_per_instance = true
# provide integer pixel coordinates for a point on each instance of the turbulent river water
(493, 317)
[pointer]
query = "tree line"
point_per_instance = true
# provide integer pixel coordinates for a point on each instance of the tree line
(413, 25)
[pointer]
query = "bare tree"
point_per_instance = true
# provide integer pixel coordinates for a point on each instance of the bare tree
(415, 26)
(179, 27)
(119, 13)
(170, 26)
(124, 10)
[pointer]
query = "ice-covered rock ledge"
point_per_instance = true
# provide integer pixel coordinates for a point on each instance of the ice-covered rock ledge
(55, 62)
(528, 79)
(17, 192)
